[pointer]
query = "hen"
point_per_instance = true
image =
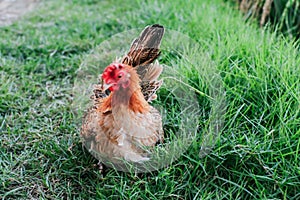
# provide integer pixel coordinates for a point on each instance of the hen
(120, 124)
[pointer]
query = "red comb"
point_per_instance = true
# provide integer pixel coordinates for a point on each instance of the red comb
(109, 71)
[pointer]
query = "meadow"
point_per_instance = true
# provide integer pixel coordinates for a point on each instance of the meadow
(256, 155)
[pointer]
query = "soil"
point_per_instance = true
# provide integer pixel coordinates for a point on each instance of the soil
(12, 10)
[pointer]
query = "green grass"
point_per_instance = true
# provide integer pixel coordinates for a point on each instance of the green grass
(256, 156)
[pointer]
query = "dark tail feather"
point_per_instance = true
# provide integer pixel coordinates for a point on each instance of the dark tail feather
(145, 48)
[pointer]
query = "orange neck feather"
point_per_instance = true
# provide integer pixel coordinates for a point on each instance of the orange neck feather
(131, 96)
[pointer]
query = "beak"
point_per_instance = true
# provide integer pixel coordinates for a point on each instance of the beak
(106, 86)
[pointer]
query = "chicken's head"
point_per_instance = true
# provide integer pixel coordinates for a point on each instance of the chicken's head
(115, 76)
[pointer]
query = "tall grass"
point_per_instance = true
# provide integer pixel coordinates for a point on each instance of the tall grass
(283, 15)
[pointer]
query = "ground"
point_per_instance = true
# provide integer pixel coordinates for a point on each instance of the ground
(11, 10)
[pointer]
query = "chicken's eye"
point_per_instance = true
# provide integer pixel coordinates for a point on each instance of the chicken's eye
(119, 76)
